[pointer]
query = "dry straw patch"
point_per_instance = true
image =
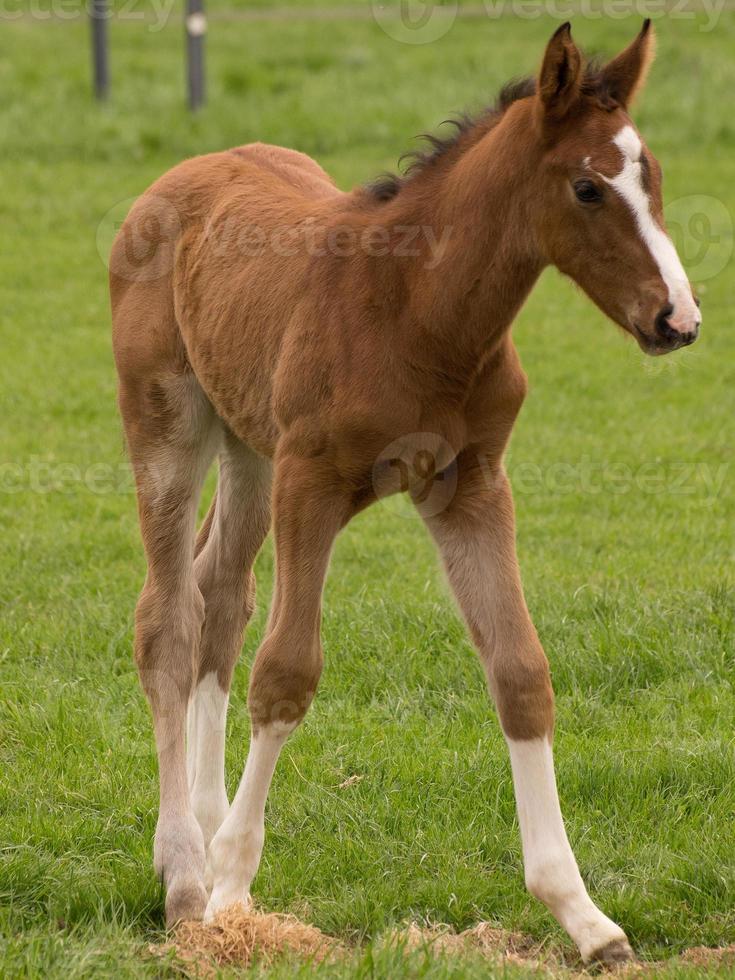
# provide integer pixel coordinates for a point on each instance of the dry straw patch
(704, 956)
(239, 935)
(497, 944)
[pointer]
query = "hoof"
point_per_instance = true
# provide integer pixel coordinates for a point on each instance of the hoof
(613, 954)
(186, 899)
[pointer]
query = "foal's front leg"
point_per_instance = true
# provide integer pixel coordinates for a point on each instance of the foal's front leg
(476, 538)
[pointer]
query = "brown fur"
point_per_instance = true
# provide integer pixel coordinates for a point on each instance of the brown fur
(315, 363)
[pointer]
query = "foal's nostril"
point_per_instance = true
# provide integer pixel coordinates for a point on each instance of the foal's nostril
(689, 338)
(663, 327)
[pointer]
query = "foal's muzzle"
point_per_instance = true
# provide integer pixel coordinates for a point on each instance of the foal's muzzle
(672, 329)
(672, 337)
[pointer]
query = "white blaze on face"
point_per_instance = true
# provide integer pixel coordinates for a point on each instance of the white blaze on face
(629, 185)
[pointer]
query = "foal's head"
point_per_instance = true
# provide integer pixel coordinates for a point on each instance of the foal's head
(598, 195)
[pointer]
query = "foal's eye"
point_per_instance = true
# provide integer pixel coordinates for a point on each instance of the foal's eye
(587, 192)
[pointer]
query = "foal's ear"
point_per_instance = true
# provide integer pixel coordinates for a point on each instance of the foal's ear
(626, 75)
(561, 74)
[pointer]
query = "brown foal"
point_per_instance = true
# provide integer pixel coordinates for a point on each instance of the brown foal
(329, 348)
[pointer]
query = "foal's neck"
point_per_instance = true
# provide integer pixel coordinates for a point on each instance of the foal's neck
(478, 204)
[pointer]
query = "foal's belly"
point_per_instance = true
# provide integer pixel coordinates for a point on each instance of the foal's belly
(236, 375)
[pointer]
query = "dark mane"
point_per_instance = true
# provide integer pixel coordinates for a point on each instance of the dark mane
(467, 129)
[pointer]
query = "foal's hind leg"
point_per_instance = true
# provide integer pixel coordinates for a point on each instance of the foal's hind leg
(476, 538)
(228, 544)
(309, 509)
(172, 436)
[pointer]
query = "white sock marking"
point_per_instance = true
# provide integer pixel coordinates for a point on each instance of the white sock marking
(205, 754)
(234, 853)
(550, 867)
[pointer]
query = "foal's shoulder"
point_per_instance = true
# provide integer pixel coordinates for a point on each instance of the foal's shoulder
(496, 395)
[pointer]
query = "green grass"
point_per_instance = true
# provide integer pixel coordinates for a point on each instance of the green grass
(628, 576)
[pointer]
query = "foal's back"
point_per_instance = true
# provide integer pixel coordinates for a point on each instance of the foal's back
(296, 169)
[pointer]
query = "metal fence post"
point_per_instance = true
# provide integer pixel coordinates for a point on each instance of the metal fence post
(196, 28)
(98, 15)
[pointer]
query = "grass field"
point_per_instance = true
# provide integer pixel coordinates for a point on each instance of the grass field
(623, 472)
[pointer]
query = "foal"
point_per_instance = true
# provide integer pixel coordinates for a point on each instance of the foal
(329, 348)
